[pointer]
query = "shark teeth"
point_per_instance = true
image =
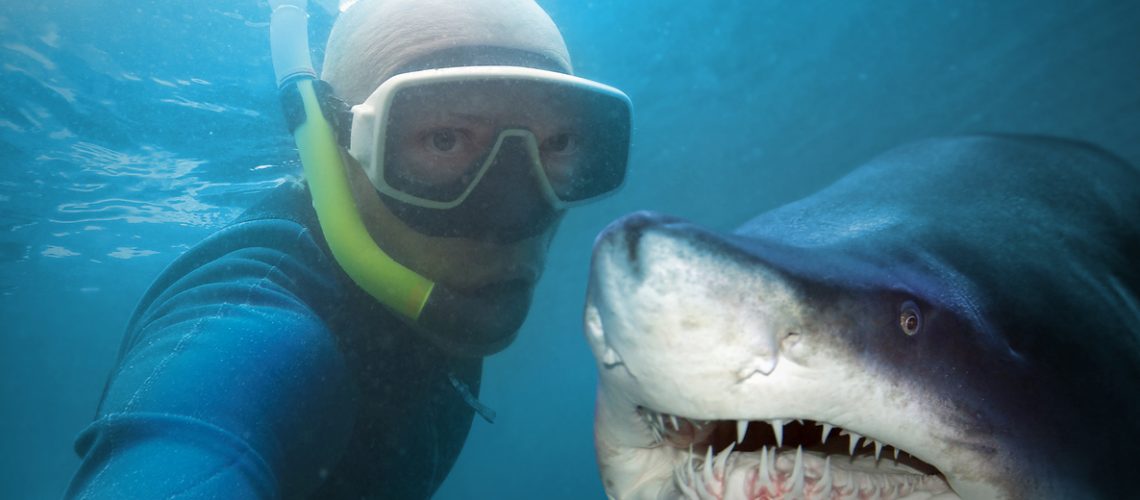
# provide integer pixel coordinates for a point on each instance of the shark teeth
(799, 474)
(778, 430)
(786, 458)
(756, 435)
(853, 443)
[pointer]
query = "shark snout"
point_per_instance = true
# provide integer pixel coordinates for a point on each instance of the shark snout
(659, 295)
(624, 236)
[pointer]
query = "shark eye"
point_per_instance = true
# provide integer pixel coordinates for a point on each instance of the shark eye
(910, 318)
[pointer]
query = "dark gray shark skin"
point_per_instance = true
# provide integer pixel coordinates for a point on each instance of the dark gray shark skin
(1019, 254)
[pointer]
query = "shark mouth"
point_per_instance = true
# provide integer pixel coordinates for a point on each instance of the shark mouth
(770, 459)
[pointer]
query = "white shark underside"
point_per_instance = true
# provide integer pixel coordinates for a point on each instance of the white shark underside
(958, 318)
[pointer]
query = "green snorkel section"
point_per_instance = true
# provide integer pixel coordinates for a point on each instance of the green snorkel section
(465, 324)
(396, 286)
(399, 288)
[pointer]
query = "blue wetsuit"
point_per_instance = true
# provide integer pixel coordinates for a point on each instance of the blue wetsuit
(254, 368)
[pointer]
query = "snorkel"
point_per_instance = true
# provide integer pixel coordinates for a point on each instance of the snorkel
(463, 324)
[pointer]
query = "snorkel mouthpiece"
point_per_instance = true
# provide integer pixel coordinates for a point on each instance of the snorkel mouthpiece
(463, 324)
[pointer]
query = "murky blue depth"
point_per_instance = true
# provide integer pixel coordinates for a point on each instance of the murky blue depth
(130, 130)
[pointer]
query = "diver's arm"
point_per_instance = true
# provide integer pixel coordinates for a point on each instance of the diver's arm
(230, 386)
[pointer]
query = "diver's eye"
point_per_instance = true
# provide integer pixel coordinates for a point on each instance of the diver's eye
(443, 140)
(561, 144)
(910, 318)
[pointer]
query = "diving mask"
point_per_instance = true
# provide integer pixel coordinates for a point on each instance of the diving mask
(427, 138)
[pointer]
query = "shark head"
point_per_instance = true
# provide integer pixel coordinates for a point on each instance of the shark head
(865, 343)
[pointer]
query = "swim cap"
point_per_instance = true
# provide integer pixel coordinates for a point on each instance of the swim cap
(376, 39)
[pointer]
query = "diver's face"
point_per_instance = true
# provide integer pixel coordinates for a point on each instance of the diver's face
(467, 264)
(440, 143)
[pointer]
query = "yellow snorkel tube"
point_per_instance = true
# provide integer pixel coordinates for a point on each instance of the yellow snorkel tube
(464, 324)
(396, 286)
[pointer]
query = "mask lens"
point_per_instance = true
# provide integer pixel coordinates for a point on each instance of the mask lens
(435, 141)
(588, 158)
(439, 135)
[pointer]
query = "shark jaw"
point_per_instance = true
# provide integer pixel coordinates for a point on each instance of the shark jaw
(795, 443)
(780, 459)
(741, 388)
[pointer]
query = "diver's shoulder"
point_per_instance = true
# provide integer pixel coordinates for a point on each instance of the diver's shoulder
(281, 222)
(271, 240)
(289, 201)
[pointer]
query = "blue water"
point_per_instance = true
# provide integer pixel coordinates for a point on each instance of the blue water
(130, 130)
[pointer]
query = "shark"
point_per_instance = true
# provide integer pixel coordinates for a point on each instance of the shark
(956, 318)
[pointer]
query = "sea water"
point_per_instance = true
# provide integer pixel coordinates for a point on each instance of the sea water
(131, 130)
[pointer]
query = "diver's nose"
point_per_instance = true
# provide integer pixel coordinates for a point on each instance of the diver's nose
(510, 196)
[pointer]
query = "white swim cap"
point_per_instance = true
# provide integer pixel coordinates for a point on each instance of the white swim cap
(374, 38)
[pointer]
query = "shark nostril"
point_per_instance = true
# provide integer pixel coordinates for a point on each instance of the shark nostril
(790, 340)
(632, 227)
(632, 239)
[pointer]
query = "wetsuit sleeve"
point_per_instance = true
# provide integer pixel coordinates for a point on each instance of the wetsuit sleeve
(229, 385)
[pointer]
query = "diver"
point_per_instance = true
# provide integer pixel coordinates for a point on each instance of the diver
(329, 343)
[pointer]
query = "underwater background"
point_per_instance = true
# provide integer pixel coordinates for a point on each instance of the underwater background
(131, 130)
